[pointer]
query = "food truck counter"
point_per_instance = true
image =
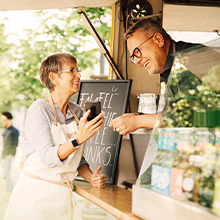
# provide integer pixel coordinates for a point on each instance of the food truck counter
(112, 199)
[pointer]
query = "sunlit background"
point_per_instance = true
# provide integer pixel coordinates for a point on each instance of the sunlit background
(17, 67)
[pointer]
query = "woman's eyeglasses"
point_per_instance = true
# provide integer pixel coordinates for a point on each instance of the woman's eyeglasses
(136, 52)
(73, 71)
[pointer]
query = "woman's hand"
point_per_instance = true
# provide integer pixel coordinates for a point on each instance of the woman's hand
(97, 179)
(88, 128)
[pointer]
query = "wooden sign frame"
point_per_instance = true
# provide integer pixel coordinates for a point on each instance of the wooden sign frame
(104, 147)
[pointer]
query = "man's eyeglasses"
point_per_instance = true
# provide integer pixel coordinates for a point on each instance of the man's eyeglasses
(136, 52)
(73, 71)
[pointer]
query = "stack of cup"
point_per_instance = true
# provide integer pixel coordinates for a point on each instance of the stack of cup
(147, 103)
(162, 103)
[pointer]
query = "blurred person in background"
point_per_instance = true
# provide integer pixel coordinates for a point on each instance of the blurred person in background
(10, 143)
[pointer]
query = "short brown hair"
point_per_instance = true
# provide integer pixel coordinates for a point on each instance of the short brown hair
(53, 63)
(146, 25)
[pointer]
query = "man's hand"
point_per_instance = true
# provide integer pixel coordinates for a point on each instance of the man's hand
(126, 123)
(130, 122)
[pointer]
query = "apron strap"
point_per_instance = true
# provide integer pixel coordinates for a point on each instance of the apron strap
(50, 181)
(67, 183)
(55, 114)
(52, 106)
(70, 197)
(74, 114)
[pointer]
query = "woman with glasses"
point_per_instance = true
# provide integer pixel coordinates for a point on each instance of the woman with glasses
(55, 134)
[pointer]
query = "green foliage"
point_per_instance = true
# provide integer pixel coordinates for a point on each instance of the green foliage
(187, 93)
(59, 31)
(6, 75)
(212, 78)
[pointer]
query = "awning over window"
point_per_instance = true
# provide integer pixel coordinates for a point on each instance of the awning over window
(7, 5)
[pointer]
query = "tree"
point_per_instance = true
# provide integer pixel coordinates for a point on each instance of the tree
(188, 93)
(59, 31)
(212, 78)
(5, 75)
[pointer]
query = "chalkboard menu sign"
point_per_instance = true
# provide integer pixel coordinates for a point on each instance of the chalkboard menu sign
(103, 148)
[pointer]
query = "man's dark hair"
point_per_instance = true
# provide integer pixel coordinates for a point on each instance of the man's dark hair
(7, 114)
(146, 25)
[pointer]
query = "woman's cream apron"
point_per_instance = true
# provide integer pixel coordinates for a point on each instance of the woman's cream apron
(43, 193)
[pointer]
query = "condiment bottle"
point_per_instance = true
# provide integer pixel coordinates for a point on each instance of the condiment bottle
(207, 177)
(216, 199)
(189, 190)
(177, 176)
